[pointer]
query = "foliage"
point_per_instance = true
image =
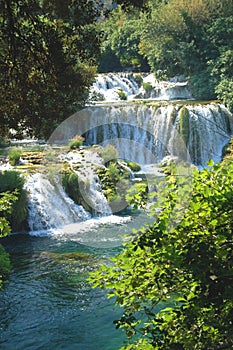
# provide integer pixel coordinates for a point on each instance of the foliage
(137, 195)
(135, 167)
(122, 95)
(76, 142)
(175, 37)
(191, 39)
(115, 182)
(120, 42)
(7, 201)
(109, 153)
(148, 88)
(13, 182)
(47, 62)
(174, 279)
(14, 155)
(223, 71)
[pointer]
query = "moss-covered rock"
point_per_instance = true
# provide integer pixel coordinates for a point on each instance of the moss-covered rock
(115, 181)
(74, 187)
(135, 167)
(184, 124)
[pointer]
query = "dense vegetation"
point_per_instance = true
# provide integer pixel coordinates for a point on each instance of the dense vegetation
(13, 212)
(174, 279)
(50, 52)
(175, 37)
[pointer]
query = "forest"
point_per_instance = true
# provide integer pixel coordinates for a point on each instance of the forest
(173, 280)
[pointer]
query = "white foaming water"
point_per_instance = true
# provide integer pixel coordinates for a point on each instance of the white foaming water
(86, 171)
(146, 134)
(49, 206)
(108, 231)
(93, 232)
(137, 86)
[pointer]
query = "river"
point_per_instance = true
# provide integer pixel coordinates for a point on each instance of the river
(47, 303)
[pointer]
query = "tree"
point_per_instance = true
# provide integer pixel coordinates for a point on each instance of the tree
(47, 62)
(174, 279)
(122, 37)
(183, 37)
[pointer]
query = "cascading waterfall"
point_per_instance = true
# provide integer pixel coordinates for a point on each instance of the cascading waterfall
(148, 133)
(137, 86)
(49, 206)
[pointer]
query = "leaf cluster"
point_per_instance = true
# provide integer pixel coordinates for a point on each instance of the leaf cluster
(47, 62)
(174, 279)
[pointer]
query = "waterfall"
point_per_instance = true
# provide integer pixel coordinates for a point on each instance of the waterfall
(107, 87)
(146, 133)
(84, 164)
(143, 133)
(49, 207)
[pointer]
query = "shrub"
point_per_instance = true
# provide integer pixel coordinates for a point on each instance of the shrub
(134, 166)
(147, 87)
(139, 80)
(122, 95)
(110, 153)
(14, 155)
(76, 142)
(12, 181)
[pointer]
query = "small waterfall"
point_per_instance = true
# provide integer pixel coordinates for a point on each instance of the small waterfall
(137, 86)
(84, 165)
(49, 206)
(97, 199)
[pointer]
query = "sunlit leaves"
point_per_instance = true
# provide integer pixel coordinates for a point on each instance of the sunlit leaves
(175, 281)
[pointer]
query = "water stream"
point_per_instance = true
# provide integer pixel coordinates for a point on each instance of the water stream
(47, 302)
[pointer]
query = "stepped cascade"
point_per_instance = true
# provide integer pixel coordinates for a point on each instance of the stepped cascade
(115, 86)
(147, 133)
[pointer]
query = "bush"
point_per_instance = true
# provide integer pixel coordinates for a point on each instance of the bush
(122, 95)
(139, 80)
(14, 155)
(134, 166)
(12, 181)
(76, 142)
(147, 87)
(173, 280)
(109, 153)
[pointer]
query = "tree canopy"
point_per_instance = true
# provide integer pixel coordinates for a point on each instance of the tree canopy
(47, 61)
(175, 37)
